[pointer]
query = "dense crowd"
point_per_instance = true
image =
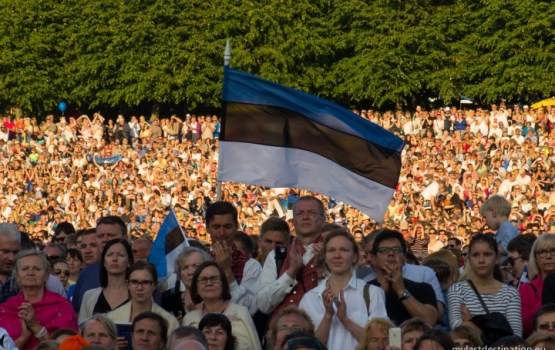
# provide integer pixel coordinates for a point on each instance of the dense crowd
(464, 236)
(79, 169)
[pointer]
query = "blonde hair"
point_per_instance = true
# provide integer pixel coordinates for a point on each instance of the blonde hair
(545, 241)
(381, 323)
(496, 203)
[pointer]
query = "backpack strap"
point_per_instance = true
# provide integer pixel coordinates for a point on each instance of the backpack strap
(366, 295)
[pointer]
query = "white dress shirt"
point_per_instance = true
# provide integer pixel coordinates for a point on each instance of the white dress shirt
(339, 336)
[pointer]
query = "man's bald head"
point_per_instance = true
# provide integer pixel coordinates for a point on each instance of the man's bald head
(188, 345)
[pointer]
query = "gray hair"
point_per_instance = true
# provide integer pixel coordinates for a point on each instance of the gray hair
(104, 321)
(11, 231)
(185, 253)
(31, 252)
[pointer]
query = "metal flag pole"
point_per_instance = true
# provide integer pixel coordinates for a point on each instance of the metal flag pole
(227, 61)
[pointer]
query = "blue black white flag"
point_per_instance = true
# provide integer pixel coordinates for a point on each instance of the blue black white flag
(275, 136)
(169, 242)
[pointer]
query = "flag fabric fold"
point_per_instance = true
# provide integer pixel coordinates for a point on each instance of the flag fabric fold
(275, 136)
(169, 242)
(466, 100)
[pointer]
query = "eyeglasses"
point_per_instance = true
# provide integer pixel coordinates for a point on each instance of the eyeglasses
(545, 252)
(305, 342)
(389, 250)
(451, 246)
(511, 260)
(137, 283)
(210, 279)
(464, 254)
(60, 271)
(546, 326)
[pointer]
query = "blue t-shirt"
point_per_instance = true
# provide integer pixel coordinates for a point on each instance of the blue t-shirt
(505, 233)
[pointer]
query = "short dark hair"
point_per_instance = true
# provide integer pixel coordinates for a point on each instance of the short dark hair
(66, 227)
(274, 223)
(217, 319)
(226, 294)
(545, 309)
(113, 220)
(321, 207)
(384, 234)
(220, 208)
(143, 265)
(75, 254)
(110, 243)
(439, 336)
(522, 244)
(85, 232)
(155, 317)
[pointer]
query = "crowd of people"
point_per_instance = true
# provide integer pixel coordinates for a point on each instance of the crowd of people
(466, 235)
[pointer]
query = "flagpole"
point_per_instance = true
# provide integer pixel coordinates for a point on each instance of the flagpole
(227, 61)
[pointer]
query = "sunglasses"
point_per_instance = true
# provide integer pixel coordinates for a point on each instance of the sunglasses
(53, 257)
(60, 271)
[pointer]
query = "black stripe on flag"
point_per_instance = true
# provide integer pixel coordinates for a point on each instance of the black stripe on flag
(275, 126)
(174, 238)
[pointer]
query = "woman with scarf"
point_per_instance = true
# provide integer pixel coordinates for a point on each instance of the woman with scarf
(34, 313)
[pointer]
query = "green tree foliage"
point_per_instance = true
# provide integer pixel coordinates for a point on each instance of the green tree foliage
(124, 53)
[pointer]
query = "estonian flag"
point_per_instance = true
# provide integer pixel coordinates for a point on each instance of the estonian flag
(275, 136)
(169, 242)
(466, 100)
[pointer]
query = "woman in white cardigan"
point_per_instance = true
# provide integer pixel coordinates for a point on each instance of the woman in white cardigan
(115, 260)
(142, 281)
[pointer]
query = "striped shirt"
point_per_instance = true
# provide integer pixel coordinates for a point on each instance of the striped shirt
(506, 301)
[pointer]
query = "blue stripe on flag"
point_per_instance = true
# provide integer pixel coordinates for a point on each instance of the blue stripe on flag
(247, 88)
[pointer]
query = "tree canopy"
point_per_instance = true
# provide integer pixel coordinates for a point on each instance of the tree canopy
(120, 54)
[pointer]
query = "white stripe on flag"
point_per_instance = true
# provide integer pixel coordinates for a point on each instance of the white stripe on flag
(290, 167)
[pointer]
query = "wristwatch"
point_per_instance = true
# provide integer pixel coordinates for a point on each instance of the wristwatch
(406, 294)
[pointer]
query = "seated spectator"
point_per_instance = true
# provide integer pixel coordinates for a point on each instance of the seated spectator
(434, 339)
(464, 302)
(287, 320)
(149, 331)
(541, 341)
(217, 330)
(185, 333)
(300, 340)
(541, 263)
(142, 280)
(100, 330)
(376, 335)
(411, 330)
(466, 338)
(404, 298)
(116, 259)
(355, 302)
(210, 292)
(34, 313)
(544, 320)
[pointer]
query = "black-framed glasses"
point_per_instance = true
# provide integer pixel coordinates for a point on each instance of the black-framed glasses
(60, 271)
(511, 260)
(209, 279)
(305, 342)
(142, 284)
(545, 252)
(389, 250)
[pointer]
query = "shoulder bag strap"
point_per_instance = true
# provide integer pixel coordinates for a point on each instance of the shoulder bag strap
(367, 297)
(478, 295)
